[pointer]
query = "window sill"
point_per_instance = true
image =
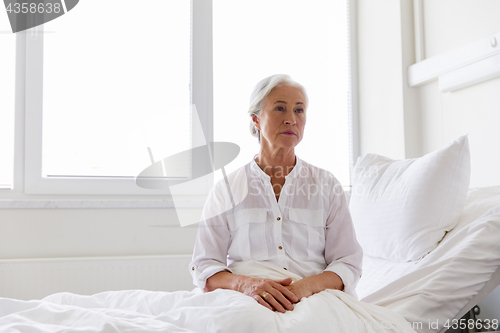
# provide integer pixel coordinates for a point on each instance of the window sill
(97, 204)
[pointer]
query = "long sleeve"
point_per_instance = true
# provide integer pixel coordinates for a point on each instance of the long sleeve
(343, 254)
(212, 240)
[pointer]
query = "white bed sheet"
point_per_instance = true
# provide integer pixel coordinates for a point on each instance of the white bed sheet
(435, 288)
(183, 311)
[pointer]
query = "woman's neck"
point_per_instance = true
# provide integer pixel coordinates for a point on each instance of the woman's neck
(278, 163)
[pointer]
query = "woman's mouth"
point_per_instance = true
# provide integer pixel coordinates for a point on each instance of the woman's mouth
(288, 133)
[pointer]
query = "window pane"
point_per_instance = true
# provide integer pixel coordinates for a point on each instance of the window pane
(116, 81)
(305, 39)
(7, 84)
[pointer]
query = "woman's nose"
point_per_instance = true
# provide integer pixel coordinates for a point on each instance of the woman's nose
(290, 121)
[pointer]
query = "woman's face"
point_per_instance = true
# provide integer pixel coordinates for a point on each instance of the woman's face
(283, 117)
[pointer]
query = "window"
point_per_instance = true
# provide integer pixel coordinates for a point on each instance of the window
(111, 90)
(7, 81)
(307, 40)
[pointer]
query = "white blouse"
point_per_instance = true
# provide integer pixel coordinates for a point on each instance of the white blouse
(307, 231)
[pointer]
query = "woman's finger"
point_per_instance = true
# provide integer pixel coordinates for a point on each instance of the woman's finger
(269, 298)
(279, 297)
(286, 292)
(284, 282)
(261, 301)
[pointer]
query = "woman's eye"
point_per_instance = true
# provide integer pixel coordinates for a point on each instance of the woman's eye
(279, 108)
(300, 110)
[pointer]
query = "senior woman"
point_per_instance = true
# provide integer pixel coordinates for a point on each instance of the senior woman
(293, 218)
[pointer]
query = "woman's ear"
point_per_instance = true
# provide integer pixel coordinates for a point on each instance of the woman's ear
(255, 120)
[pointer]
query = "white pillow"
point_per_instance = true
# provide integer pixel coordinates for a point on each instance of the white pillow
(402, 209)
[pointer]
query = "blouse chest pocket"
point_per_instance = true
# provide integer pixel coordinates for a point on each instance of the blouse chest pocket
(313, 218)
(308, 232)
(244, 217)
(248, 234)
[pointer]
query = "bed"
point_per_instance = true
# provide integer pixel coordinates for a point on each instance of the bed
(431, 245)
(451, 279)
(406, 286)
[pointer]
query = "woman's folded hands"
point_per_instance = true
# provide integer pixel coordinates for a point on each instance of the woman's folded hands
(272, 294)
(276, 295)
(269, 293)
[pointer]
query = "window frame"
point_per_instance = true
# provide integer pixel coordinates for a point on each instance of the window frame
(28, 185)
(353, 98)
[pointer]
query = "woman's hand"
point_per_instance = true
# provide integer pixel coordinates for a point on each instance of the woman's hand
(273, 294)
(301, 289)
(314, 284)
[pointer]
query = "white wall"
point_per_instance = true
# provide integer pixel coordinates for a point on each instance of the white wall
(49, 233)
(449, 24)
(381, 118)
(389, 109)
(397, 121)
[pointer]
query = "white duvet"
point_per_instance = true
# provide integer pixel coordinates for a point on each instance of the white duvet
(195, 311)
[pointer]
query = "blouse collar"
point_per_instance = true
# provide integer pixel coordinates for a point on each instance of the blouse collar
(261, 174)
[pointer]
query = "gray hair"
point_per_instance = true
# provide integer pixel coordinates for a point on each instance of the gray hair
(262, 90)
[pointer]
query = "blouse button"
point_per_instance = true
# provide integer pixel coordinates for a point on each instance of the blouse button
(192, 268)
(279, 247)
(279, 218)
(285, 268)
